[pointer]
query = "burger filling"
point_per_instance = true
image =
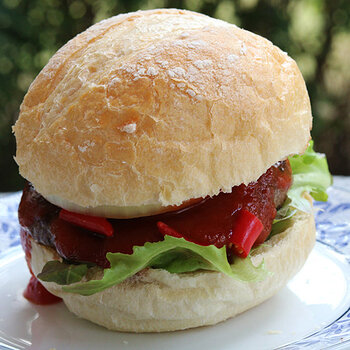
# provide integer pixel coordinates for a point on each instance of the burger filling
(212, 221)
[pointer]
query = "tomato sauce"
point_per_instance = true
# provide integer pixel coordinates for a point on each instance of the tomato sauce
(209, 221)
(37, 294)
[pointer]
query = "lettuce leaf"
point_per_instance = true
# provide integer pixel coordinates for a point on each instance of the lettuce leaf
(175, 255)
(62, 273)
(310, 174)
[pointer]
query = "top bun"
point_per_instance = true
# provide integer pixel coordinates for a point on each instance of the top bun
(153, 108)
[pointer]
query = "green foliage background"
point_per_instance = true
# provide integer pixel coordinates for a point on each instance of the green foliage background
(316, 33)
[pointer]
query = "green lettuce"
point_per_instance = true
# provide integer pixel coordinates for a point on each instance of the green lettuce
(176, 255)
(311, 175)
(63, 273)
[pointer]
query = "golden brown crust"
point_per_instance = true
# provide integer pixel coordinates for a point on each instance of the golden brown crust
(157, 301)
(157, 107)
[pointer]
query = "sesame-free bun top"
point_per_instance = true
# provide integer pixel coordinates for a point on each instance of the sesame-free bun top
(152, 108)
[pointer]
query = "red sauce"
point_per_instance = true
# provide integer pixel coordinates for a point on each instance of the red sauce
(37, 294)
(208, 222)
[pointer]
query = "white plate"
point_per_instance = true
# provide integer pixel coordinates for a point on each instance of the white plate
(315, 298)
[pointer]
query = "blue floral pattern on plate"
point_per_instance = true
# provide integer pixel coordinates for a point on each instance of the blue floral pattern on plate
(9, 227)
(333, 228)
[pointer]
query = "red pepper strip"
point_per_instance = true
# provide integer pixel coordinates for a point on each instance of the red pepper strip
(245, 232)
(164, 229)
(92, 223)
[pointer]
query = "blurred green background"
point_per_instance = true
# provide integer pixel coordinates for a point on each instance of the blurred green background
(316, 33)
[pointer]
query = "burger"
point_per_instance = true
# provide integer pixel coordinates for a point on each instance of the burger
(169, 162)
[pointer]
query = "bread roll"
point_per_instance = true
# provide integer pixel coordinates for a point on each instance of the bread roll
(150, 109)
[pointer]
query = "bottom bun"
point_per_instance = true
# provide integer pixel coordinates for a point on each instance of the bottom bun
(155, 300)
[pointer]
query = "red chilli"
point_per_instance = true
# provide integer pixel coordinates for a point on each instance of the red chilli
(92, 223)
(245, 232)
(164, 229)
